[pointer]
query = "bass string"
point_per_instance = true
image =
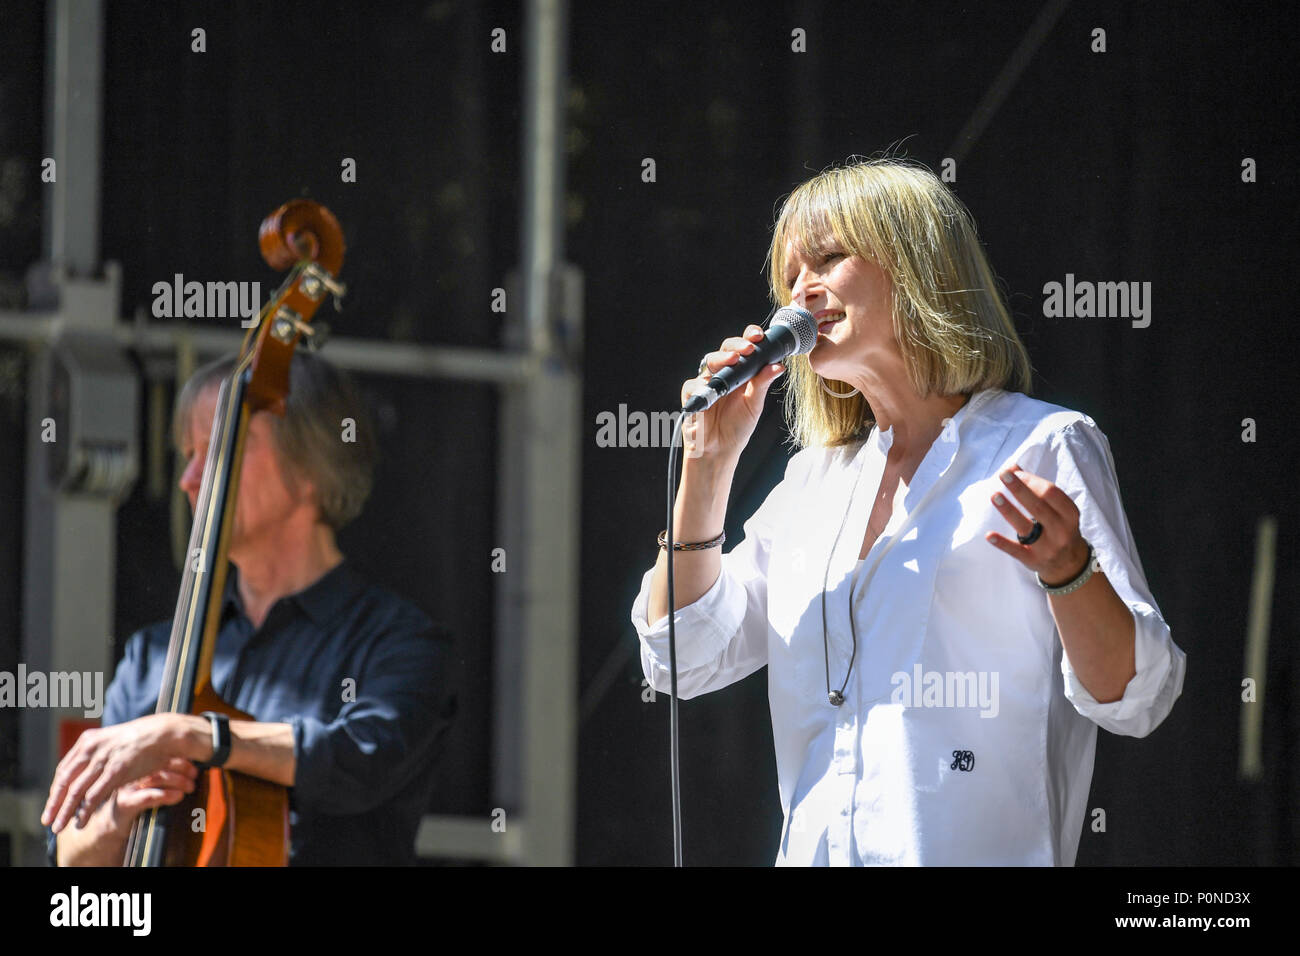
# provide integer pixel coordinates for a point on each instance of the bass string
(185, 635)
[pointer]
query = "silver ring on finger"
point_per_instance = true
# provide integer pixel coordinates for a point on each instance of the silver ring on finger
(704, 366)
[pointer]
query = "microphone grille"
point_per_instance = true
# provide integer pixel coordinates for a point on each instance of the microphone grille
(801, 323)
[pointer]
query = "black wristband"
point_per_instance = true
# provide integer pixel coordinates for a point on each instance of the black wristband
(220, 740)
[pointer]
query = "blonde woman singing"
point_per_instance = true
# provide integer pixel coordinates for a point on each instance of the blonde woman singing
(944, 587)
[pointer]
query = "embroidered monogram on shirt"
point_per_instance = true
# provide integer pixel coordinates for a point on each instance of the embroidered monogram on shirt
(963, 760)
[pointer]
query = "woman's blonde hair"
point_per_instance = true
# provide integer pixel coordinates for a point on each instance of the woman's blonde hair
(950, 318)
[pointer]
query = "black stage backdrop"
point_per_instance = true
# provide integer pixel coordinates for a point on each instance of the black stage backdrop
(1122, 165)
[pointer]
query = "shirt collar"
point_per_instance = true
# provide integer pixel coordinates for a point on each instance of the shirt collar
(322, 601)
(952, 433)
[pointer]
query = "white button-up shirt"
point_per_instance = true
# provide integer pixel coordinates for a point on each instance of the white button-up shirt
(965, 737)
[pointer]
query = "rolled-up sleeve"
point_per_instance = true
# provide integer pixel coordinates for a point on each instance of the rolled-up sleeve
(1085, 470)
(379, 742)
(722, 636)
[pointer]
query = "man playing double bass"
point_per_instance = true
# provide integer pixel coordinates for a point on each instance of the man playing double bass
(352, 687)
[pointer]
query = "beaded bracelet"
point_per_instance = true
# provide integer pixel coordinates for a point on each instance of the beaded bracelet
(1094, 564)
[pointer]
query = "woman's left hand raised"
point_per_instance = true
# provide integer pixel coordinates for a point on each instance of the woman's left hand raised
(1059, 553)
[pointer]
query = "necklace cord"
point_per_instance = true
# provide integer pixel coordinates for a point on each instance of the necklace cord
(853, 627)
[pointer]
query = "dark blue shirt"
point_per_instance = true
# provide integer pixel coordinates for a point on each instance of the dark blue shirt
(367, 682)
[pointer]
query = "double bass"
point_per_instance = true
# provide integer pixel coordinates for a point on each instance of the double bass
(232, 819)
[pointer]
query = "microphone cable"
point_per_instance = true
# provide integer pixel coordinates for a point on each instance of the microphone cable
(674, 767)
(674, 763)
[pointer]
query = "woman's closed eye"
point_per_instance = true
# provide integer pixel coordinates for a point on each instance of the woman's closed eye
(826, 259)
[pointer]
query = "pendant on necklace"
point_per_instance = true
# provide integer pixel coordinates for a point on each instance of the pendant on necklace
(836, 698)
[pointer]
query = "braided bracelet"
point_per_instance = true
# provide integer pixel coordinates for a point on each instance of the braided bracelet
(697, 546)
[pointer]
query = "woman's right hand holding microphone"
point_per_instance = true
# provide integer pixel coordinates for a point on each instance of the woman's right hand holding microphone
(721, 432)
(712, 441)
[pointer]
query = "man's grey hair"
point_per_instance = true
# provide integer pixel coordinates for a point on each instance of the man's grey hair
(310, 437)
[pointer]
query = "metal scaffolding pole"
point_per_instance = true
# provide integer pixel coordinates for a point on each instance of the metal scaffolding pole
(75, 80)
(81, 412)
(537, 621)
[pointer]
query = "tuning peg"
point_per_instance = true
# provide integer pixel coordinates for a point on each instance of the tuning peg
(318, 335)
(316, 282)
(287, 322)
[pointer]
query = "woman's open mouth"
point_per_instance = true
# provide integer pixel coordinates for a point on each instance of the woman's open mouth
(826, 320)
